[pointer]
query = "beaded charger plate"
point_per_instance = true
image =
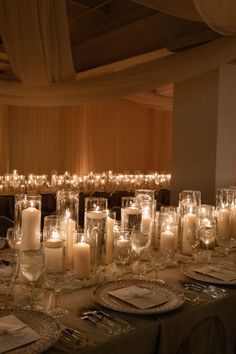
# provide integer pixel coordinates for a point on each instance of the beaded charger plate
(45, 325)
(175, 298)
(191, 271)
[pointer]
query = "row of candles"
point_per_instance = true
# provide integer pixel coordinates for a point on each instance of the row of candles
(187, 228)
(12, 183)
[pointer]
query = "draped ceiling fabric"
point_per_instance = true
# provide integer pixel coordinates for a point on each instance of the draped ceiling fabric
(36, 38)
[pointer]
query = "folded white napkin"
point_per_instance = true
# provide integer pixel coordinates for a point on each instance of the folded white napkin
(14, 333)
(139, 297)
(218, 273)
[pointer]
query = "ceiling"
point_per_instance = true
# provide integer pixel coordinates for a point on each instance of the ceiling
(107, 32)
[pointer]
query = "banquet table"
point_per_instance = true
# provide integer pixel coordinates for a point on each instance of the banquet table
(207, 327)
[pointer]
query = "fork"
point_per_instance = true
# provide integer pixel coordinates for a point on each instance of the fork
(73, 336)
(210, 291)
(113, 318)
(96, 319)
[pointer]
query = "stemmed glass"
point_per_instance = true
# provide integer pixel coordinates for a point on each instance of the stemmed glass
(32, 265)
(9, 268)
(140, 241)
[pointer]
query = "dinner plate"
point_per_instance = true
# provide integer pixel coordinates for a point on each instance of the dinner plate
(189, 270)
(101, 295)
(45, 325)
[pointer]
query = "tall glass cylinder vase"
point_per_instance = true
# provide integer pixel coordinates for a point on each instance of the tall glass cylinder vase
(189, 206)
(95, 224)
(68, 207)
(145, 200)
(224, 199)
(28, 220)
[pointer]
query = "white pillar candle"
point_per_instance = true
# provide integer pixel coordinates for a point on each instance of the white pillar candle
(69, 227)
(81, 260)
(54, 256)
(109, 240)
(175, 231)
(167, 241)
(223, 223)
(189, 228)
(30, 228)
(146, 224)
(233, 221)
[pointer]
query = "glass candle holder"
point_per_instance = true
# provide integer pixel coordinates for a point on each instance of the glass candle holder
(68, 207)
(109, 252)
(122, 246)
(207, 227)
(28, 220)
(131, 214)
(224, 200)
(96, 229)
(189, 206)
(168, 226)
(81, 255)
(223, 203)
(145, 200)
(54, 249)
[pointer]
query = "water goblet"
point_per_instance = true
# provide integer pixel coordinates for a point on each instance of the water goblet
(32, 265)
(140, 241)
(57, 281)
(9, 268)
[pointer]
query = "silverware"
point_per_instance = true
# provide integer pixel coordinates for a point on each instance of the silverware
(94, 318)
(74, 336)
(125, 326)
(209, 290)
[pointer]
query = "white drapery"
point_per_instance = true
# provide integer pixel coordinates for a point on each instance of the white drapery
(36, 38)
(117, 136)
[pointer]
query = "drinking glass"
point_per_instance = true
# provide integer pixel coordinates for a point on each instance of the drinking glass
(9, 268)
(32, 265)
(140, 241)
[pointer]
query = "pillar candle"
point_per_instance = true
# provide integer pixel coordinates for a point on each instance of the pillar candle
(30, 228)
(69, 243)
(167, 241)
(189, 229)
(175, 231)
(146, 224)
(54, 256)
(233, 221)
(109, 240)
(223, 223)
(81, 260)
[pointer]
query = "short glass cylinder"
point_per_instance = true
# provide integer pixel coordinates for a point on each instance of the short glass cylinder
(81, 255)
(122, 246)
(28, 220)
(55, 249)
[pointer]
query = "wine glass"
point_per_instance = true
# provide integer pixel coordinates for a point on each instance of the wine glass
(140, 241)
(32, 265)
(9, 268)
(57, 281)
